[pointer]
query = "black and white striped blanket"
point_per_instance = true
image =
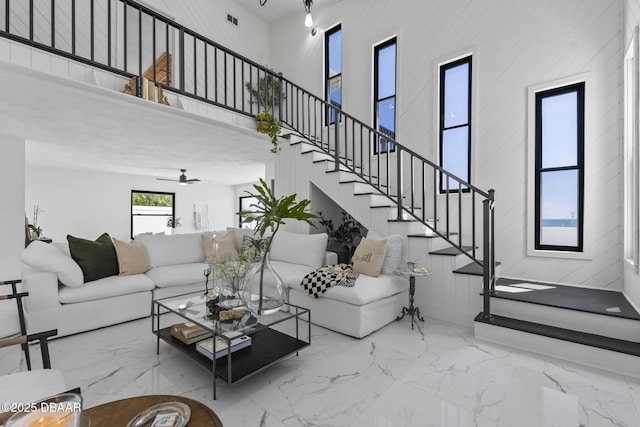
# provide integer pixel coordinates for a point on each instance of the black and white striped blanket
(317, 282)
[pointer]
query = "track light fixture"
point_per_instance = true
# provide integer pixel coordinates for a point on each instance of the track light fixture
(308, 20)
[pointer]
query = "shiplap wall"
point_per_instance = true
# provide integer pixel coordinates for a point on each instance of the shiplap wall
(631, 20)
(516, 44)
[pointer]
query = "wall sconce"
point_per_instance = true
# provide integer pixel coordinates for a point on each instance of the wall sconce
(314, 31)
(308, 20)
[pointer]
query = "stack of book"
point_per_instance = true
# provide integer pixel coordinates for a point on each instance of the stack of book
(189, 333)
(222, 347)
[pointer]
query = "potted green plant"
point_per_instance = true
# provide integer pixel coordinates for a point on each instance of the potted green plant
(342, 239)
(266, 123)
(269, 213)
(267, 94)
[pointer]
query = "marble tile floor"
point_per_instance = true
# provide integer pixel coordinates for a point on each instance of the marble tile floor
(435, 375)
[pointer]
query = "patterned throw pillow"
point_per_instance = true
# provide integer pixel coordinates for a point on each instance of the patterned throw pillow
(252, 248)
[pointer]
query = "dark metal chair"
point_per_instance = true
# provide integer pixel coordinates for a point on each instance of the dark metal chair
(23, 339)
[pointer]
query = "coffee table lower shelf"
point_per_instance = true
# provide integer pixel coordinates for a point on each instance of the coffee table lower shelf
(268, 346)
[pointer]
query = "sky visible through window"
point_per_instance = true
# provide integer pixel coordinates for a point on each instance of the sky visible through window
(559, 149)
(455, 124)
(334, 70)
(386, 90)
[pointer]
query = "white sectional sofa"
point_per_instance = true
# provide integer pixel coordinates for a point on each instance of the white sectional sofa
(58, 297)
(366, 307)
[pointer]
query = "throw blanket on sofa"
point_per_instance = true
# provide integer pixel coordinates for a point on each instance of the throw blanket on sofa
(317, 282)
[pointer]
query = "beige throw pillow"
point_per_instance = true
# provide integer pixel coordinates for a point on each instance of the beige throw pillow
(132, 258)
(225, 244)
(369, 256)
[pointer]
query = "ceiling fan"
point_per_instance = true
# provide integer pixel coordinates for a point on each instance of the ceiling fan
(182, 180)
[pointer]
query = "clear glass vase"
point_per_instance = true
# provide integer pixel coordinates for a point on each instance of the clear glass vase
(230, 295)
(264, 293)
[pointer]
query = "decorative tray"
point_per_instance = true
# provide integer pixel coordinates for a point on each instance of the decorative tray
(168, 414)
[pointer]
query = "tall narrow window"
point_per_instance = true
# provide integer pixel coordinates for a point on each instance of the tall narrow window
(333, 69)
(631, 231)
(384, 94)
(455, 122)
(559, 169)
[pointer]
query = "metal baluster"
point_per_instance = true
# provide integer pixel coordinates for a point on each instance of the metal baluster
(460, 214)
(73, 27)
(31, 20)
(109, 33)
(92, 11)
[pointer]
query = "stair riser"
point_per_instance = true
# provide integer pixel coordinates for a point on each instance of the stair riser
(612, 361)
(610, 326)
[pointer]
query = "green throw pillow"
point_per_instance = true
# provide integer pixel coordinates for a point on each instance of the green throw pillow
(96, 259)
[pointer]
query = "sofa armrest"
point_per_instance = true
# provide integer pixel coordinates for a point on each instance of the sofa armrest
(330, 258)
(43, 290)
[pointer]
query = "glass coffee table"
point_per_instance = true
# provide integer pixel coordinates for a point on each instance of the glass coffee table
(273, 337)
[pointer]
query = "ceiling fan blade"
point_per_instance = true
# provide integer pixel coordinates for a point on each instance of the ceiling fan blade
(167, 179)
(193, 180)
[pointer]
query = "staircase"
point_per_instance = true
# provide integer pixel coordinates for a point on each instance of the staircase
(453, 291)
(549, 319)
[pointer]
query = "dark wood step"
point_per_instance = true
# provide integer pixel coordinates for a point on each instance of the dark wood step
(590, 300)
(451, 251)
(432, 236)
(473, 269)
(593, 340)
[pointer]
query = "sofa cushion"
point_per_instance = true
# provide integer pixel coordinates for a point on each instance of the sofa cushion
(367, 289)
(369, 257)
(225, 242)
(297, 248)
(392, 252)
(97, 259)
(172, 250)
(44, 257)
(252, 247)
(107, 287)
(175, 275)
(291, 274)
(132, 257)
(238, 235)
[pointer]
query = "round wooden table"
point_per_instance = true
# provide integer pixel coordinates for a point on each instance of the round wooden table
(120, 412)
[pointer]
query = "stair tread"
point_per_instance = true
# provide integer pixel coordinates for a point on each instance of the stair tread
(451, 251)
(591, 300)
(472, 268)
(429, 236)
(593, 340)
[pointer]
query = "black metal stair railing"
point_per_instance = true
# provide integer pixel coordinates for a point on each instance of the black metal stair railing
(130, 39)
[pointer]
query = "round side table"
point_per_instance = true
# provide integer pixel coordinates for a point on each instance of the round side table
(120, 412)
(411, 310)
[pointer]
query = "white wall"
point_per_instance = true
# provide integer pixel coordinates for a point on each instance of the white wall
(12, 153)
(516, 44)
(631, 277)
(86, 204)
(209, 18)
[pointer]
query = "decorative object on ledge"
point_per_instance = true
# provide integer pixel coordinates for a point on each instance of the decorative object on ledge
(266, 123)
(267, 295)
(267, 94)
(145, 89)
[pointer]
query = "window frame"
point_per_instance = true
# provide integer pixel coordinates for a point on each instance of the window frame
(327, 78)
(391, 41)
(242, 207)
(443, 68)
(631, 156)
(580, 89)
(164, 193)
